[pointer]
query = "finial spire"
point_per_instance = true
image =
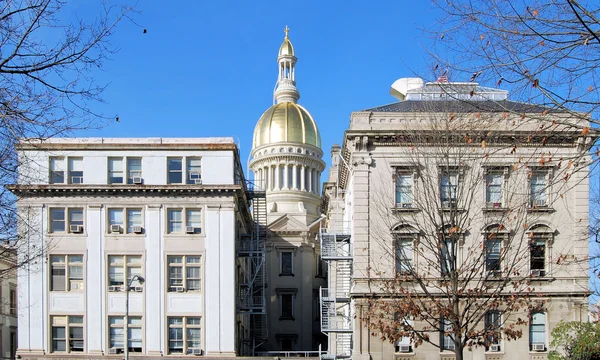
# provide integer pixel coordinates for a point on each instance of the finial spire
(286, 30)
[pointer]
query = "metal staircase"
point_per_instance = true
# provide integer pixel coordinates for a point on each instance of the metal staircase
(336, 314)
(251, 252)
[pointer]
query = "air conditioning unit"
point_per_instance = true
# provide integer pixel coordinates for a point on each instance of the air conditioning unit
(193, 351)
(137, 288)
(114, 288)
(494, 348)
(115, 228)
(76, 229)
(190, 230)
(494, 273)
(403, 348)
(537, 273)
(197, 181)
(137, 180)
(538, 347)
(137, 229)
(177, 288)
(539, 203)
(115, 350)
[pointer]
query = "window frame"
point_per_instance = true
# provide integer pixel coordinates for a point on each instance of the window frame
(409, 174)
(501, 173)
(540, 233)
(131, 173)
(493, 323)
(131, 325)
(52, 170)
(66, 220)
(533, 202)
(288, 270)
(184, 326)
(67, 264)
(68, 339)
(125, 266)
(405, 340)
(184, 265)
(124, 224)
(494, 237)
(285, 308)
(110, 169)
(75, 173)
(450, 173)
(197, 180)
(186, 221)
(532, 331)
(445, 340)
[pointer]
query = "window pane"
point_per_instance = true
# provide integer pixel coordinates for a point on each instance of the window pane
(76, 170)
(175, 221)
(115, 170)
(134, 218)
(115, 216)
(404, 184)
(287, 306)
(193, 321)
(115, 274)
(494, 188)
(57, 220)
(175, 171)
(193, 338)
(286, 263)
(75, 319)
(193, 259)
(194, 170)
(134, 169)
(175, 321)
(193, 218)
(57, 170)
(76, 216)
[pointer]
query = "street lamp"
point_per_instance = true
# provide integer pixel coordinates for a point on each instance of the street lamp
(127, 288)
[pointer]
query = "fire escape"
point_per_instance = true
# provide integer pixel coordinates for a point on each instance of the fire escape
(336, 315)
(251, 285)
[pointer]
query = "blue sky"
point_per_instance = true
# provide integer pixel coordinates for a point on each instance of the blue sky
(208, 68)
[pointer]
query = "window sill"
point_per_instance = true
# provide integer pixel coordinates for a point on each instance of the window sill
(66, 234)
(541, 278)
(292, 275)
(448, 209)
(287, 318)
(133, 235)
(495, 209)
(540, 209)
(405, 209)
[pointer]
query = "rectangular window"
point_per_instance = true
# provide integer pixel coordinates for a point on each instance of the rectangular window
(184, 273)
(175, 170)
(193, 221)
(404, 344)
(119, 265)
(448, 189)
(175, 221)
(194, 171)
(57, 220)
(538, 184)
(287, 306)
(67, 334)
(404, 190)
(448, 257)
(117, 218)
(75, 219)
(493, 247)
(117, 330)
(134, 221)
(287, 263)
(13, 301)
(66, 273)
(75, 170)
(184, 335)
(404, 255)
(446, 335)
(492, 326)
(134, 170)
(57, 170)
(537, 331)
(493, 190)
(115, 170)
(537, 254)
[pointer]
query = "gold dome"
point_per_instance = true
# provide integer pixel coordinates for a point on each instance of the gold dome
(286, 49)
(286, 122)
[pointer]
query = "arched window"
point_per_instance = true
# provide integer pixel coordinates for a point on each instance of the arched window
(539, 238)
(537, 331)
(494, 237)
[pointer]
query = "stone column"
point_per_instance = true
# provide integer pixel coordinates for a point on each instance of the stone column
(295, 177)
(302, 172)
(286, 179)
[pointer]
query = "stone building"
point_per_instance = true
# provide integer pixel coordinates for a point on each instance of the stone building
(454, 182)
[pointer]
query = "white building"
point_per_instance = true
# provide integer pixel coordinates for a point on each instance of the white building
(105, 210)
(8, 303)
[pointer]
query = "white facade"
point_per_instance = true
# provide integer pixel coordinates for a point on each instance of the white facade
(175, 224)
(8, 305)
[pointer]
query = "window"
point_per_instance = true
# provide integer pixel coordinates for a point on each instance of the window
(67, 334)
(538, 184)
(287, 306)
(119, 265)
(287, 263)
(193, 221)
(494, 236)
(404, 254)
(176, 221)
(448, 255)
(117, 330)
(134, 170)
(537, 331)
(404, 326)
(404, 190)
(75, 170)
(448, 189)
(540, 236)
(117, 218)
(194, 171)
(184, 273)
(493, 189)
(59, 224)
(446, 335)
(13, 301)
(115, 170)
(57, 170)
(175, 169)
(66, 273)
(492, 327)
(184, 335)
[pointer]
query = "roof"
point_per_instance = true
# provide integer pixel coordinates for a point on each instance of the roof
(460, 106)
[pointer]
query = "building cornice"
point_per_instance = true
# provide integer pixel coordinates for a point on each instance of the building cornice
(87, 189)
